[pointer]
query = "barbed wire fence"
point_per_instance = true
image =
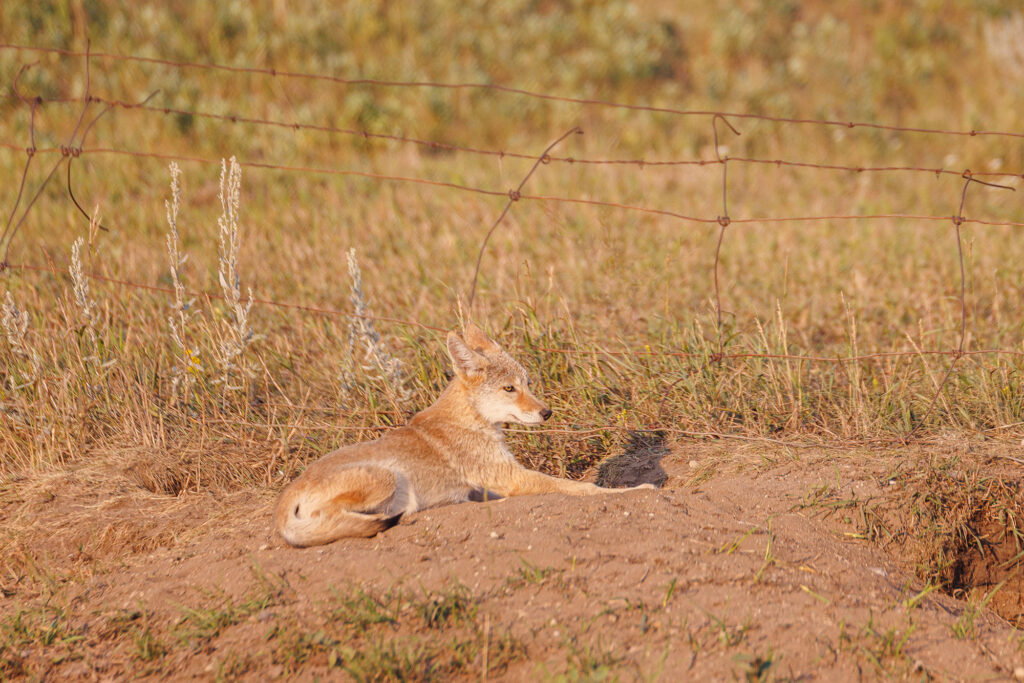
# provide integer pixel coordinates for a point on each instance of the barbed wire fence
(75, 147)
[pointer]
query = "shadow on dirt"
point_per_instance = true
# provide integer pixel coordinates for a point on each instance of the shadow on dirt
(639, 462)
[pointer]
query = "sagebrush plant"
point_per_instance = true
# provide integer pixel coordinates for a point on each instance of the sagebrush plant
(236, 334)
(363, 336)
(15, 326)
(188, 367)
(88, 309)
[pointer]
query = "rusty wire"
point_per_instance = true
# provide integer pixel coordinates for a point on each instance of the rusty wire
(499, 193)
(11, 229)
(513, 197)
(958, 353)
(69, 151)
(504, 89)
(76, 151)
(501, 153)
(723, 221)
(30, 153)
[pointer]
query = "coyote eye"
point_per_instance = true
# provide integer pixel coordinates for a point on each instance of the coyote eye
(509, 388)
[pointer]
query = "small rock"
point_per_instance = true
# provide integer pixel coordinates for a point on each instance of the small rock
(264, 546)
(1018, 673)
(694, 464)
(626, 513)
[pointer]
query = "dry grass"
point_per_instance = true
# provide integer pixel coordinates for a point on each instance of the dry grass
(89, 369)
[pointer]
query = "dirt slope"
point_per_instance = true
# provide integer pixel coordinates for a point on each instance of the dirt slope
(739, 567)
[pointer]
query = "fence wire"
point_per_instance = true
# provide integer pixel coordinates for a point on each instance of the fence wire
(75, 147)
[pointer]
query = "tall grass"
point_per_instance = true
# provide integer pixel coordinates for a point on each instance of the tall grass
(599, 303)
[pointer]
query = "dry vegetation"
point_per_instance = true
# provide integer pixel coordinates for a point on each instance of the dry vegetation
(200, 386)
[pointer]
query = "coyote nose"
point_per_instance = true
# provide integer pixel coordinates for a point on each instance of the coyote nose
(546, 413)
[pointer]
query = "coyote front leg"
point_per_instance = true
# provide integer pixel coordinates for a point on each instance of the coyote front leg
(521, 482)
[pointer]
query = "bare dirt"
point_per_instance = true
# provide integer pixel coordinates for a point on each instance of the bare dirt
(752, 562)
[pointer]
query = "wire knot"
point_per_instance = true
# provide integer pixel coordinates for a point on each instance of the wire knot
(30, 151)
(546, 159)
(514, 196)
(724, 221)
(958, 220)
(716, 357)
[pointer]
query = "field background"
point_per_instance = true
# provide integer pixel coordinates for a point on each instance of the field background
(555, 276)
(613, 310)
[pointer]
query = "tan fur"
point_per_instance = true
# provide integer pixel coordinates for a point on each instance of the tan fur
(451, 452)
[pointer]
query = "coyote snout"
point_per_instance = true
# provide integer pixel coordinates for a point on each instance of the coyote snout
(452, 452)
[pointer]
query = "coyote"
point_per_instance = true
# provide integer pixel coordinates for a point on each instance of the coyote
(452, 452)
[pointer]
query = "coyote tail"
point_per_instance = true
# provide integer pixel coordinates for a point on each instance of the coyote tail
(318, 530)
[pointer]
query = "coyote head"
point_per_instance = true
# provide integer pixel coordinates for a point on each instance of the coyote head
(499, 388)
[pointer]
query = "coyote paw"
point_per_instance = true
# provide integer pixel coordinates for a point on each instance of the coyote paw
(645, 486)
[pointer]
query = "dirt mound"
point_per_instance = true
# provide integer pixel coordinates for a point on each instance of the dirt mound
(749, 564)
(961, 526)
(993, 565)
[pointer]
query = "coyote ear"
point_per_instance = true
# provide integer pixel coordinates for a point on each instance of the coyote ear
(477, 340)
(468, 363)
